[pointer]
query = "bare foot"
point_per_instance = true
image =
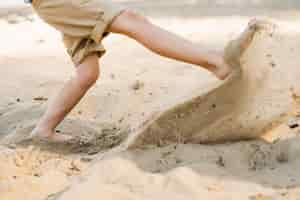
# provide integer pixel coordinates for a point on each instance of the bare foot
(50, 136)
(222, 69)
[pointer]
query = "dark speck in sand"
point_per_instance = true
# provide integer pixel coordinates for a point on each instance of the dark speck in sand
(40, 99)
(293, 123)
(137, 85)
(121, 120)
(220, 162)
(293, 126)
(269, 55)
(273, 64)
(40, 41)
(282, 157)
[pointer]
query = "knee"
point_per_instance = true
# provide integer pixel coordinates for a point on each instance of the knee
(128, 21)
(87, 76)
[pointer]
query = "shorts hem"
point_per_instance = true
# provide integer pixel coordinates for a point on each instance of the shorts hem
(104, 21)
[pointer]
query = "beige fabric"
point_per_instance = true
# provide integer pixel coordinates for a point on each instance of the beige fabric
(83, 23)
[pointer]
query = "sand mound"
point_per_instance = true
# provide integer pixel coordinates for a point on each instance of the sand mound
(189, 171)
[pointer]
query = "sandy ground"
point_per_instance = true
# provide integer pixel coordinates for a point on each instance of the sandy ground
(134, 85)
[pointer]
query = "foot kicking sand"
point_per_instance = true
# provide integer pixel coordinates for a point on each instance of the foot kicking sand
(184, 122)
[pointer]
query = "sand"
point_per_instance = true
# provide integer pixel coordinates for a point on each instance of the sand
(215, 116)
(133, 89)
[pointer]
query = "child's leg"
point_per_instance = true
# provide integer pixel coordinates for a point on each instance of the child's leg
(86, 75)
(168, 44)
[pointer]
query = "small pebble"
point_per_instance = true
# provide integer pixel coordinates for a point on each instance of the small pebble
(293, 126)
(220, 162)
(137, 85)
(40, 99)
(273, 64)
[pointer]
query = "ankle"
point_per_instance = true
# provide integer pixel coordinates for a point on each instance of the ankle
(215, 60)
(44, 131)
(222, 70)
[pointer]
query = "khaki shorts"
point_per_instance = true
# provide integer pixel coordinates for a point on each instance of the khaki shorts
(83, 23)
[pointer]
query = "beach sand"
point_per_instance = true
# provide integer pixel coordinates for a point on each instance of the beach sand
(135, 85)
